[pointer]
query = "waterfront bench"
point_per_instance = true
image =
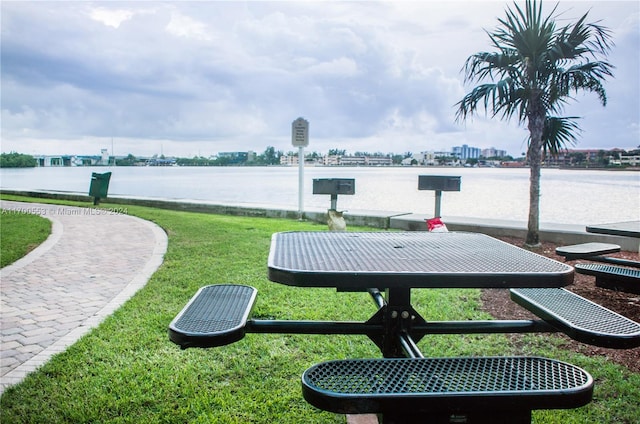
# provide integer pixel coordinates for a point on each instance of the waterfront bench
(579, 318)
(445, 390)
(612, 277)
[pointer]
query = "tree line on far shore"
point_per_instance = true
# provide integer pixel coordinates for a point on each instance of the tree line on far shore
(271, 156)
(17, 160)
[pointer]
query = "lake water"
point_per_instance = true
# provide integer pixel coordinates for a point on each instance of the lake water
(567, 196)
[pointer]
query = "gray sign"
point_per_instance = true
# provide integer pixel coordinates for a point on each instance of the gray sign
(300, 132)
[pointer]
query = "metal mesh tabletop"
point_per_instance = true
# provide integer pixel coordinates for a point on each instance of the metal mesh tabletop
(433, 384)
(410, 259)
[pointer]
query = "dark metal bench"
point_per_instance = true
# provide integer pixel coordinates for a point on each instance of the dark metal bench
(586, 250)
(447, 390)
(579, 318)
(215, 316)
(594, 252)
(612, 277)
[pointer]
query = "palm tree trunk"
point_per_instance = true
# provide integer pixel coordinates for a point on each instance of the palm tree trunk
(536, 128)
(533, 224)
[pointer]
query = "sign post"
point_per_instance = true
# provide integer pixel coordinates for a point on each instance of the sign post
(300, 139)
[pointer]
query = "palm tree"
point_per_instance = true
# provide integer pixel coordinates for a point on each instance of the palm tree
(533, 72)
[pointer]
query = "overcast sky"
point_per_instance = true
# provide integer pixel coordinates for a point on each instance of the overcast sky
(197, 78)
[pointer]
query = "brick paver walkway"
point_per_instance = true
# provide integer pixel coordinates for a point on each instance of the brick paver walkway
(91, 264)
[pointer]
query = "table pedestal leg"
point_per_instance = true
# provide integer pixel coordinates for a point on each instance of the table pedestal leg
(397, 317)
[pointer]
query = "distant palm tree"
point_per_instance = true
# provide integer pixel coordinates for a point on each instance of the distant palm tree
(537, 67)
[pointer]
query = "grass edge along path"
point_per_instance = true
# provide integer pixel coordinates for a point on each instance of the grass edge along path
(21, 232)
(127, 371)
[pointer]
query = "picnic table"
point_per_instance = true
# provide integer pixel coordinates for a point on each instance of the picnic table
(403, 385)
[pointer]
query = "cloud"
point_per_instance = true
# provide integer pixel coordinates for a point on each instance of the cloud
(112, 18)
(185, 26)
(219, 76)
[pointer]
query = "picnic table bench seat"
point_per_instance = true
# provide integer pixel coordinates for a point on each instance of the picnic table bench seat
(612, 276)
(579, 318)
(602, 270)
(463, 389)
(215, 316)
(586, 250)
(594, 252)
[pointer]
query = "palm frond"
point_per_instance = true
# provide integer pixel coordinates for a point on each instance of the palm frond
(584, 76)
(559, 133)
(536, 65)
(505, 98)
(601, 42)
(489, 65)
(578, 40)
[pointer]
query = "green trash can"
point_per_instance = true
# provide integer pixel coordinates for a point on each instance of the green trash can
(99, 186)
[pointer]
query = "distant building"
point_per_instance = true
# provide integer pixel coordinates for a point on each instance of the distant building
(492, 152)
(378, 160)
(425, 158)
(69, 160)
(50, 161)
(288, 160)
(352, 161)
(335, 160)
(631, 160)
(431, 157)
(331, 160)
(569, 157)
(465, 152)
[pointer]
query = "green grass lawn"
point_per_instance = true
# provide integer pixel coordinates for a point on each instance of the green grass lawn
(20, 233)
(127, 370)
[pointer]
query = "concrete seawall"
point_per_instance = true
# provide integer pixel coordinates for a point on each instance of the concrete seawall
(562, 234)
